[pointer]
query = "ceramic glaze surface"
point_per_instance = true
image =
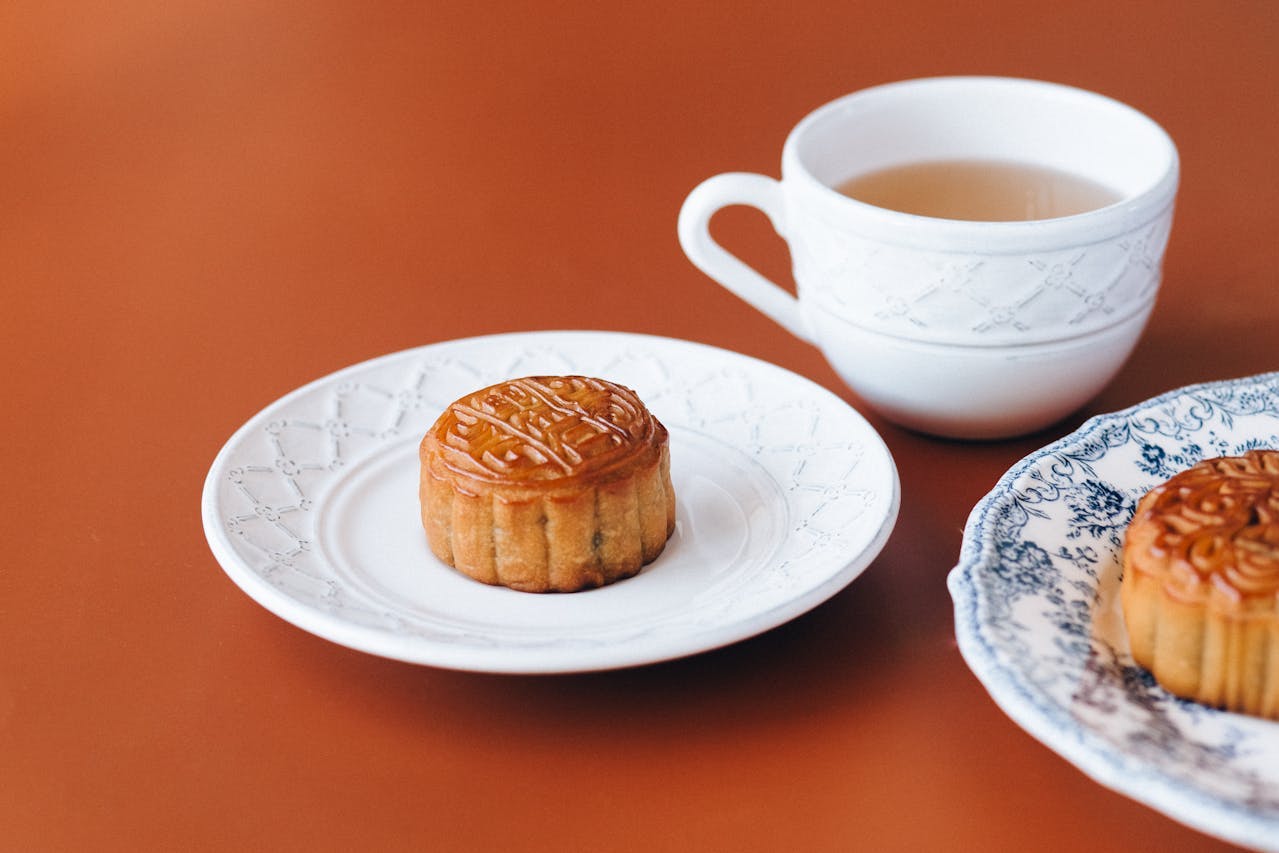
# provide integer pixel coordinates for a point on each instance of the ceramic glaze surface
(982, 297)
(900, 288)
(1037, 612)
(785, 495)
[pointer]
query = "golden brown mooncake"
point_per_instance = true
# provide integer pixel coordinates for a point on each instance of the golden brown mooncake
(1201, 578)
(547, 484)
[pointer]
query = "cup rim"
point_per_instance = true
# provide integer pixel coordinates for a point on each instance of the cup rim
(1013, 235)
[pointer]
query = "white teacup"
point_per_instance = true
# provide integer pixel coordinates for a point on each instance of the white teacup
(970, 329)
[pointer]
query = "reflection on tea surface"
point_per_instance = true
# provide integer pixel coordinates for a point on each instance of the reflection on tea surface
(979, 190)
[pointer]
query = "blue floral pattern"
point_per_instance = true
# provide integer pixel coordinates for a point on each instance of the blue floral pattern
(1038, 620)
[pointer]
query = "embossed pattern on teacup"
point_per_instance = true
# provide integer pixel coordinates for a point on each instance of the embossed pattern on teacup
(974, 297)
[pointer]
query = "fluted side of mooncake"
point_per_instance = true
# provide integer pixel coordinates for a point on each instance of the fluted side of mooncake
(1201, 580)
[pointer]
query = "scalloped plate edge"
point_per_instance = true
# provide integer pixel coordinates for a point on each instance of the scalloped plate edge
(1082, 749)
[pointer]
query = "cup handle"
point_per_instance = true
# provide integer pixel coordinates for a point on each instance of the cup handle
(731, 272)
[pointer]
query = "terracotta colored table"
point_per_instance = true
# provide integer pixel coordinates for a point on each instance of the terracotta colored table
(204, 205)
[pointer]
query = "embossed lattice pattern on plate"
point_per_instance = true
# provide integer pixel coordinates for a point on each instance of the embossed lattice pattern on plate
(779, 451)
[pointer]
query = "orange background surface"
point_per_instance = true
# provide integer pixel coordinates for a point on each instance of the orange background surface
(204, 205)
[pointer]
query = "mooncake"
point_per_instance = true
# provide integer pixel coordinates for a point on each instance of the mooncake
(1201, 576)
(547, 484)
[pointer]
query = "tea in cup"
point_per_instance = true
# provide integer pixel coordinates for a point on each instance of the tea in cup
(975, 256)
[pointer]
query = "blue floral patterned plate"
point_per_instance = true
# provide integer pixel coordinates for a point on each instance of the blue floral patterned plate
(1038, 620)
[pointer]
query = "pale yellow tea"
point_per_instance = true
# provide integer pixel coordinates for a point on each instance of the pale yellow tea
(979, 190)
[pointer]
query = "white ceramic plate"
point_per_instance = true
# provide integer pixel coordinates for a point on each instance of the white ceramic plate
(784, 495)
(1038, 619)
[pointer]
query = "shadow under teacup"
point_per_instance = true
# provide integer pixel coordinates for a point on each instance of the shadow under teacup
(969, 328)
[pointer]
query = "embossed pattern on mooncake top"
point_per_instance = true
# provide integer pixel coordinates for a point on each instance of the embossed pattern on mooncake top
(544, 428)
(1219, 521)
